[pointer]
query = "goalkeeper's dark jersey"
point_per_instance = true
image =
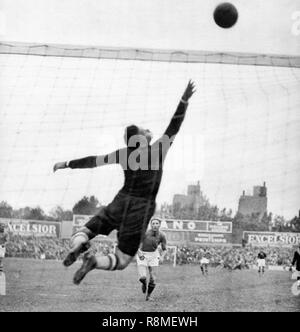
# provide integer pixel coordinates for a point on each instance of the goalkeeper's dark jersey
(142, 166)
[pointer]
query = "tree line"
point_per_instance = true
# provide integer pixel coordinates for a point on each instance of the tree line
(86, 205)
(91, 205)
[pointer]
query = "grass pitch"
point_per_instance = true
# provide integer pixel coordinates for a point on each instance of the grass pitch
(34, 285)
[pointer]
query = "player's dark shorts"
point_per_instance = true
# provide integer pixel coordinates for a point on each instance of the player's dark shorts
(129, 215)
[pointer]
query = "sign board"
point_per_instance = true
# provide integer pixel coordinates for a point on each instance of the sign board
(223, 227)
(275, 239)
(39, 228)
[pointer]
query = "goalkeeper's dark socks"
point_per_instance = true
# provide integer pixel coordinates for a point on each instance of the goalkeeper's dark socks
(143, 280)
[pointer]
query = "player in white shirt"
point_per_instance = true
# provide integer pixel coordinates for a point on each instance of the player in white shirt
(261, 262)
(204, 262)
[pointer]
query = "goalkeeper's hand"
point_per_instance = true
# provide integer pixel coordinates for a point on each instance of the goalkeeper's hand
(60, 165)
(189, 91)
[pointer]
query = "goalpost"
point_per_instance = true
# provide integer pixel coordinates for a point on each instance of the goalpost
(62, 102)
(172, 252)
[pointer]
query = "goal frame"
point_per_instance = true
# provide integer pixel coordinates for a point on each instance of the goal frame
(174, 263)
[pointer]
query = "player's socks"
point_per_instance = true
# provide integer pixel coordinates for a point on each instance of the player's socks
(108, 262)
(143, 280)
(113, 262)
(89, 263)
(151, 287)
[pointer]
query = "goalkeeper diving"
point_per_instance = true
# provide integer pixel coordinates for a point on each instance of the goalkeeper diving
(134, 205)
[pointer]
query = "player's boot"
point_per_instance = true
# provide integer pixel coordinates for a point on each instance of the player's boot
(148, 298)
(144, 284)
(74, 254)
(89, 263)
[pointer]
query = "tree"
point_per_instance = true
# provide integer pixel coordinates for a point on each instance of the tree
(29, 213)
(266, 220)
(6, 210)
(59, 214)
(226, 215)
(87, 206)
(279, 224)
(295, 224)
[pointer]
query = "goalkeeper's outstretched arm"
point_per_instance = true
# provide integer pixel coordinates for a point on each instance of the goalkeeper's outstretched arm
(89, 162)
(179, 114)
(173, 128)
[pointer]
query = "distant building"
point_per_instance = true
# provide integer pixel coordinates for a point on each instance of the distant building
(193, 200)
(255, 204)
(165, 211)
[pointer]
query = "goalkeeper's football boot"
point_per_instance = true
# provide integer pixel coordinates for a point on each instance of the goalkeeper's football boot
(74, 254)
(89, 263)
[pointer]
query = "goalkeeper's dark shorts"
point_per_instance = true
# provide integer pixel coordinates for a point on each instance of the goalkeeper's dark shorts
(127, 214)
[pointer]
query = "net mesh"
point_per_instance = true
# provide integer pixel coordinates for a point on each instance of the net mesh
(59, 103)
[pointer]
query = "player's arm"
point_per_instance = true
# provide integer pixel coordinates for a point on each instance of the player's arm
(90, 162)
(140, 254)
(178, 117)
(163, 244)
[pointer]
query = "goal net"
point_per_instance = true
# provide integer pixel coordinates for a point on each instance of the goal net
(62, 102)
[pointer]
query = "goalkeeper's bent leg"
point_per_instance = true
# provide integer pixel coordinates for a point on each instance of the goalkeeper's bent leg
(110, 262)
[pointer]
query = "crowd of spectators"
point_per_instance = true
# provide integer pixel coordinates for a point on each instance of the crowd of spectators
(35, 247)
(227, 257)
(46, 248)
(233, 257)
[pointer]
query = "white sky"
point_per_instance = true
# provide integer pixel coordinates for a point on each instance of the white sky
(242, 126)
